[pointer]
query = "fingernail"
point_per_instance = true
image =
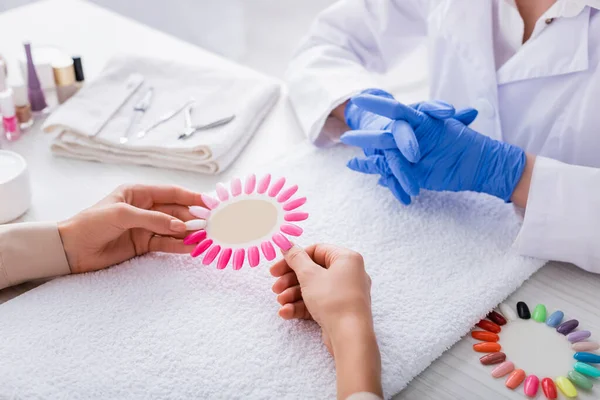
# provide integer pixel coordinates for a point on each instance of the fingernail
(177, 226)
(195, 224)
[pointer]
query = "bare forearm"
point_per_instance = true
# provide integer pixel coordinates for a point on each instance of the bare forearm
(357, 359)
(338, 112)
(521, 193)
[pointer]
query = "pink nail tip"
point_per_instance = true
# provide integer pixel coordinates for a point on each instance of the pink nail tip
(268, 250)
(296, 216)
(291, 229)
(287, 193)
(293, 204)
(503, 369)
(253, 256)
(210, 202)
(224, 259)
(250, 184)
(236, 187)
(199, 212)
(532, 383)
(263, 184)
(238, 259)
(281, 241)
(274, 191)
(222, 192)
(201, 248)
(211, 254)
(195, 237)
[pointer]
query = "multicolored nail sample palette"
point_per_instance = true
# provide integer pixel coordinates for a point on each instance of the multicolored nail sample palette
(580, 377)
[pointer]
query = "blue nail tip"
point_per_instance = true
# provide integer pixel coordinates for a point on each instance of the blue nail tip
(555, 319)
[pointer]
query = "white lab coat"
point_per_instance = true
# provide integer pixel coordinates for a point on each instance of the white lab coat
(545, 98)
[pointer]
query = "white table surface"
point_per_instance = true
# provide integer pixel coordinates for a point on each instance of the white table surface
(62, 187)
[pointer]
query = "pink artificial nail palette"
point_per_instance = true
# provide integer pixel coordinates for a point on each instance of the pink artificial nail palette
(245, 220)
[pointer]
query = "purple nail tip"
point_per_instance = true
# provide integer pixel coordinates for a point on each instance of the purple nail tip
(578, 336)
(567, 327)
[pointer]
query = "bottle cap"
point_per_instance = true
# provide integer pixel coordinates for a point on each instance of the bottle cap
(7, 105)
(64, 74)
(20, 95)
(2, 76)
(78, 69)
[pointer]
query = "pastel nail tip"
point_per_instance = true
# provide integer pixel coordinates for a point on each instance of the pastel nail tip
(250, 184)
(274, 190)
(503, 369)
(585, 346)
(210, 202)
(567, 327)
(263, 184)
(586, 369)
(580, 381)
(508, 312)
(224, 259)
(199, 212)
(222, 192)
(236, 187)
(253, 256)
(566, 387)
(195, 224)
(555, 319)
(293, 204)
(211, 254)
(578, 336)
(287, 193)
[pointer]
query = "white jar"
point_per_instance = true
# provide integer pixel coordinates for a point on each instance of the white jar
(15, 191)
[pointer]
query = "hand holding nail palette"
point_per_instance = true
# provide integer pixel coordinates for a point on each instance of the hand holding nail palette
(244, 221)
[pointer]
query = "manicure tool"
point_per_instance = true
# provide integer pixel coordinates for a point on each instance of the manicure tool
(190, 129)
(165, 117)
(139, 109)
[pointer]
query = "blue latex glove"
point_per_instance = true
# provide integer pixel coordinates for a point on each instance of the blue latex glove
(365, 122)
(454, 157)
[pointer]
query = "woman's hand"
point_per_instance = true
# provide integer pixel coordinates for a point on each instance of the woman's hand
(329, 284)
(131, 221)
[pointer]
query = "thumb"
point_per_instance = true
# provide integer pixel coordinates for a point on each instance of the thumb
(129, 217)
(300, 262)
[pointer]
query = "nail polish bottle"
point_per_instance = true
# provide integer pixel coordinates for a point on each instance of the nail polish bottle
(22, 106)
(78, 66)
(64, 77)
(9, 119)
(36, 95)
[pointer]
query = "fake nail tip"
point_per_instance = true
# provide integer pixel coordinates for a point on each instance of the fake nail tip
(250, 184)
(503, 369)
(493, 358)
(195, 224)
(281, 241)
(236, 187)
(496, 318)
(293, 204)
(508, 312)
(199, 212)
(531, 385)
(274, 190)
(580, 381)
(263, 184)
(295, 216)
(586, 369)
(515, 379)
(578, 336)
(222, 192)
(585, 346)
(487, 347)
(590, 358)
(567, 327)
(555, 319)
(201, 248)
(238, 259)
(539, 313)
(566, 387)
(195, 237)
(549, 389)
(523, 310)
(291, 229)
(268, 250)
(253, 256)
(211, 254)
(210, 202)
(287, 193)
(489, 326)
(485, 336)
(224, 258)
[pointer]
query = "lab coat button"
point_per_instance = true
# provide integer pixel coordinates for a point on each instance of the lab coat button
(485, 108)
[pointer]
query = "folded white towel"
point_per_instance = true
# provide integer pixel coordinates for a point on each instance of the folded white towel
(168, 327)
(92, 122)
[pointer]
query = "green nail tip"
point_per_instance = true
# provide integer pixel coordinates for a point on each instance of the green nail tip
(587, 369)
(539, 314)
(580, 380)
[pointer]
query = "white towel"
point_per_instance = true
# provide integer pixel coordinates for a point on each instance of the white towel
(93, 120)
(166, 327)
